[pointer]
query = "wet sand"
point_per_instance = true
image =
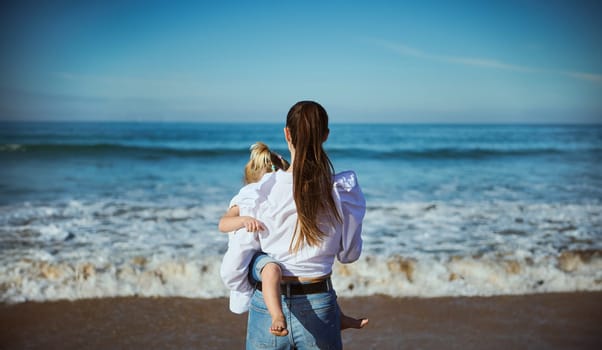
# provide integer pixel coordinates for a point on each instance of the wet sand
(544, 321)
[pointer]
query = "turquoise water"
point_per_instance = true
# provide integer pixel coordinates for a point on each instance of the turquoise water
(106, 193)
(203, 162)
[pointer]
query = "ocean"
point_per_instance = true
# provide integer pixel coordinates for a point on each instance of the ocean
(131, 209)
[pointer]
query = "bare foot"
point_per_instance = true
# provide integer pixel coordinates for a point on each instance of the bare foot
(350, 322)
(278, 327)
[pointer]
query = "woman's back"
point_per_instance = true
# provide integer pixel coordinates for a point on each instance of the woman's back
(274, 205)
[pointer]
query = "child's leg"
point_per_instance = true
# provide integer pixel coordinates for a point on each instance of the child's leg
(267, 271)
(270, 280)
(350, 322)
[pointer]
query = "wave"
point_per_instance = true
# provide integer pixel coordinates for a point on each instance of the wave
(475, 275)
(119, 150)
(395, 276)
(107, 248)
(373, 152)
(451, 153)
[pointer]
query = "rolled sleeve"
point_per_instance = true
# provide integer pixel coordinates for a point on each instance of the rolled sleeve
(352, 209)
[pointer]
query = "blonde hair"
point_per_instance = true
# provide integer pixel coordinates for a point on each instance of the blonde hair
(261, 161)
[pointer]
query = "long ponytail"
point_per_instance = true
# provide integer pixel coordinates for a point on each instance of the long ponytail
(307, 122)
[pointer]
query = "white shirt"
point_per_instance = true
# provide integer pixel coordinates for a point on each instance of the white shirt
(271, 201)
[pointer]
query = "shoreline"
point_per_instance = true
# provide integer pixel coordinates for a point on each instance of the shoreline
(534, 321)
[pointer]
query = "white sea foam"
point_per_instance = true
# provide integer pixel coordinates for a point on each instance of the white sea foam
(470, 276)
(11, 147)
(81, 249)
(30, 279)
(420, 229)
(40, 279)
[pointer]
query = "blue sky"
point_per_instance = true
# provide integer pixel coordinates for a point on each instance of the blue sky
(445, 61)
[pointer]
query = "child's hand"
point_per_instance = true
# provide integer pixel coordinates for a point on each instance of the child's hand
(252, 224)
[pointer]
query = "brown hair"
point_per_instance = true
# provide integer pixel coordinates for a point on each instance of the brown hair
(313, 172)
(262, 160)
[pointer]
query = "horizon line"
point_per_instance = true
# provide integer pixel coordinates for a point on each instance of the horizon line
(107, 121)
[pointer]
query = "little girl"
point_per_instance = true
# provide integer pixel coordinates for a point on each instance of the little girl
(264, 269)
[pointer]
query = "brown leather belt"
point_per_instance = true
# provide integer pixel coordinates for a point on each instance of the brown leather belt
(289, 289)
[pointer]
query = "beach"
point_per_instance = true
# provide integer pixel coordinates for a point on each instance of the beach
(106, 210)
(538, 321)
(475, 236)
(473, 131)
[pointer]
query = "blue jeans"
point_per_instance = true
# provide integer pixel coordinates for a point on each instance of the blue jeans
(313, 322)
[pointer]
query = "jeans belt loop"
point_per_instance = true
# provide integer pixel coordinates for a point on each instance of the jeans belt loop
(288, 290)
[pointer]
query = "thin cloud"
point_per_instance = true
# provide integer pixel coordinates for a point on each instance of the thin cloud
(597, 78)
(405, 50)
(487, 63)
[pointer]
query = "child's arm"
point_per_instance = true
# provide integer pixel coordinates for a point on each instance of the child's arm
(232, 221)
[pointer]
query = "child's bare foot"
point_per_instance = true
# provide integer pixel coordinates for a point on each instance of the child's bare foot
(278, 327)
(350, 322)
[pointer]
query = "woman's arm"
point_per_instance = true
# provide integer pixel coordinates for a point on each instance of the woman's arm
(232, 221)
(352, 210)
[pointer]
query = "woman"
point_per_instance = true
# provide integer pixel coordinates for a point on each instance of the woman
(309, 216)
